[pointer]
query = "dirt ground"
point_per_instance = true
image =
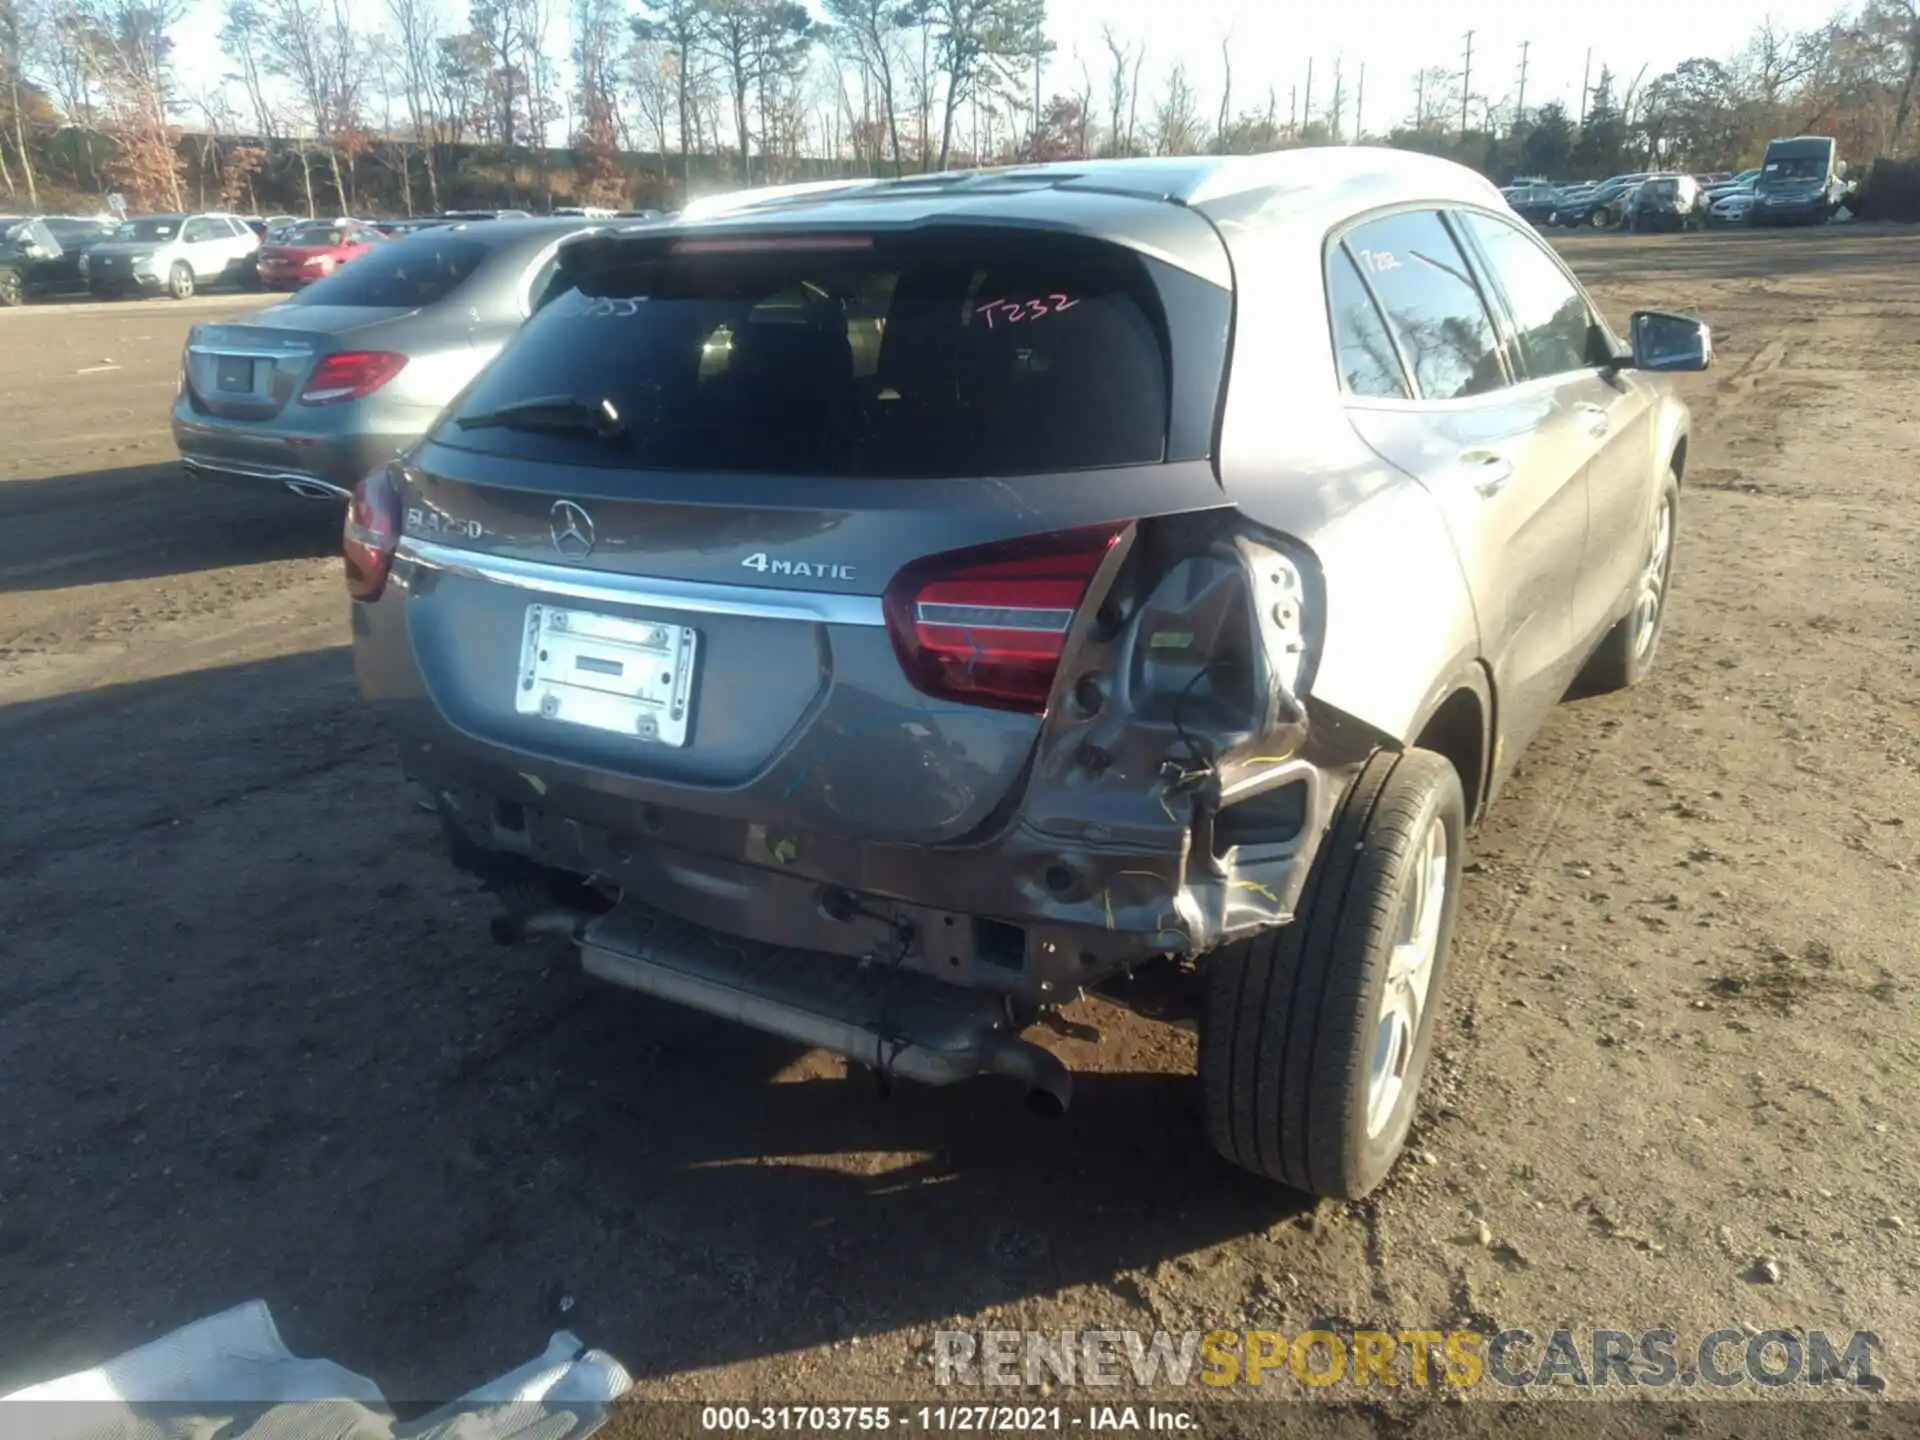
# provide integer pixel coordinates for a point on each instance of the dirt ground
(254, 1040)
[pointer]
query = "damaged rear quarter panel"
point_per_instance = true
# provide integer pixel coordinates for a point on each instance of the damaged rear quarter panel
(1400, 626)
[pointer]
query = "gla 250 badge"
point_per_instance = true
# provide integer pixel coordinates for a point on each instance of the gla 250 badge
(813, 569)
(432, 522)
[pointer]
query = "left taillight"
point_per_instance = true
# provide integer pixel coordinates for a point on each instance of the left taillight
(372, 534)
(988, 625)
(350, 374)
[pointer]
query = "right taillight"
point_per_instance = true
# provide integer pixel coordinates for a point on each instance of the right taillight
(350, 374)
(988, 625)
(372, 534)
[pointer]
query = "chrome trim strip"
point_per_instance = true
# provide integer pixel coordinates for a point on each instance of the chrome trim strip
(606, 588)
(994, 617)
(243, 352)
(277, 477)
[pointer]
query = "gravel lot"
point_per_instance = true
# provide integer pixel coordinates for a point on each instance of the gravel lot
(254, 1040)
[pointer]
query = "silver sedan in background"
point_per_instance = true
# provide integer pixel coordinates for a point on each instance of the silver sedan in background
(310, 395)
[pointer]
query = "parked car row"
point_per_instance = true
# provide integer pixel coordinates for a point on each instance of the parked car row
(879, 613)
(182, 254)
(1801, 180)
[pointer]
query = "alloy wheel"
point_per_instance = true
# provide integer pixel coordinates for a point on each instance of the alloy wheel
(1653, 581)
(1403, 997)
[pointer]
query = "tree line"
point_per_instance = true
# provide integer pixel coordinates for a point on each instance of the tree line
(420, 105)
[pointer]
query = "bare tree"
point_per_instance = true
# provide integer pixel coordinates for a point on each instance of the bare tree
(1226, 89)
(1896, 25)
(650, 76)
(872, 30)
(536, 65)
(1436, 97)
(678, 27)
(754, 42)
(1176, 115)
(1119, 66)
(1083, 101)
(132, 41)
(241, 40)
(19, 23)
(313, 50)
(417, 29)
(598, 165)
(978, 40)
(498, 26)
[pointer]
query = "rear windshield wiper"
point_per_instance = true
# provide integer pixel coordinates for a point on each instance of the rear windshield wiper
(551, 412)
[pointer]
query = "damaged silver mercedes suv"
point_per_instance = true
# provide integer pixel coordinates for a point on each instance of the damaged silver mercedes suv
(878, 616)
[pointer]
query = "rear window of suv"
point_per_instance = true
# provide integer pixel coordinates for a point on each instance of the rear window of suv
(420, 270)
(938, 355)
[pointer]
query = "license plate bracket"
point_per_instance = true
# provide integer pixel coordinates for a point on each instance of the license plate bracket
(233, 374)
(603, 672)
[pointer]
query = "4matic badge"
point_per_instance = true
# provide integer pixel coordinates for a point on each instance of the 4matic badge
(813, 569)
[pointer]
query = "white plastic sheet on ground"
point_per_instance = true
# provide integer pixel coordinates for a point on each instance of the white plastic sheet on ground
(231, 1376)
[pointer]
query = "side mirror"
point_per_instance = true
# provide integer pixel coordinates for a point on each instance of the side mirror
(1668, 343)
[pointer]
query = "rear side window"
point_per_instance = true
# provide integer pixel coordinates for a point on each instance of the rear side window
(937, 355)
(1432, 303)
(420, 270)
(1555, 329)
(1362, 346)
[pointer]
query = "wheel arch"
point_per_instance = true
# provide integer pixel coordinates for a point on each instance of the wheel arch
(1459, 725)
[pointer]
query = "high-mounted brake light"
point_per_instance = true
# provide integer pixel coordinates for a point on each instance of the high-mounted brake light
(988, 625)
(349, 375)
(749, 245)
(372, 534)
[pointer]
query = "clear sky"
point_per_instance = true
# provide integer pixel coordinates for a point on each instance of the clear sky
(1272, 39)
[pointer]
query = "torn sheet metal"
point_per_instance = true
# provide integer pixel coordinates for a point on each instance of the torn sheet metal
(231, 1376)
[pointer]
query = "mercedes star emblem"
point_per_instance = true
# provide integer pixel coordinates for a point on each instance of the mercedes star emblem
(571, 528)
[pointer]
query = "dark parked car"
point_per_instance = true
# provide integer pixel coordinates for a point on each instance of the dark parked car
(77, 235)
(1536, 201)
(1802, 181)
(1667, 202)
(30, 259)
(1603, 205)
(875, 616)
(311, 394)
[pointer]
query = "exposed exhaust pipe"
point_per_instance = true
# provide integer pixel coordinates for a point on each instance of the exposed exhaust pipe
(514, 926)
(932, 1032)
(314, 490)
(1049, 1082)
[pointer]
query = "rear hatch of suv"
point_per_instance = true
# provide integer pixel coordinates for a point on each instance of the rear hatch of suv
(798, 521)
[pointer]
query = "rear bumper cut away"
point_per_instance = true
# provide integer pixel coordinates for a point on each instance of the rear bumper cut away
(967, 917)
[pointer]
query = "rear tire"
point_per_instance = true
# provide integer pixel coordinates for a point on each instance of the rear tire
(180, 281)
(13, 290)
(1308, 1075)
(1625, 656)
